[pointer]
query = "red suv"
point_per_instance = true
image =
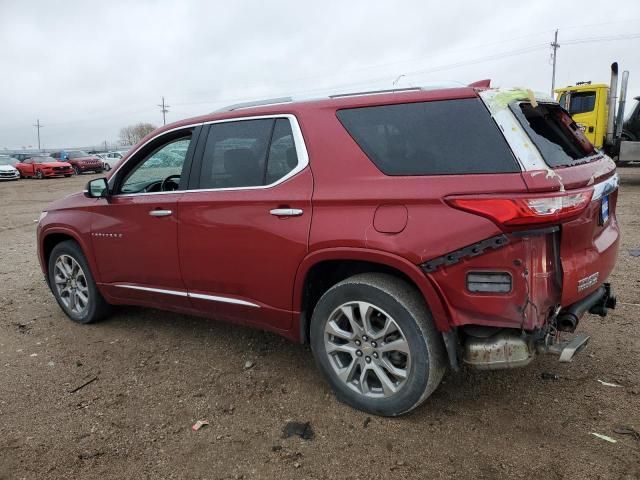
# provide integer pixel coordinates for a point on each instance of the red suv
(80, 161)
(399, 233)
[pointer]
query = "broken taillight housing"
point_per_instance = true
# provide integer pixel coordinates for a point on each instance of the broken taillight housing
(524, 210)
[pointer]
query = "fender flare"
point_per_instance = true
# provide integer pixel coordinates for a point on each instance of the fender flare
(426, 286)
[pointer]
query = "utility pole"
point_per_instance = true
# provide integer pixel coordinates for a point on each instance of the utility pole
(555, 46)
(38, 127)
(164, 109)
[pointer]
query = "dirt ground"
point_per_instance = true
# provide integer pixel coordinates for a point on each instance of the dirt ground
(157, 373)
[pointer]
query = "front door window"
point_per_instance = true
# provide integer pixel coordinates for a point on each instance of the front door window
(160, 170)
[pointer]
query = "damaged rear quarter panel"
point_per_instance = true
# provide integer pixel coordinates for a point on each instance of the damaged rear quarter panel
(529, 261)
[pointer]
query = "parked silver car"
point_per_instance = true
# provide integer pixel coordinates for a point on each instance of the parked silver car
(8, 171)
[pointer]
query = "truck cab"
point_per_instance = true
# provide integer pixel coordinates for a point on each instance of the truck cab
(587, 104)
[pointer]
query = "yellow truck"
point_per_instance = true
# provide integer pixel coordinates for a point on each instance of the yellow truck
(596, 109)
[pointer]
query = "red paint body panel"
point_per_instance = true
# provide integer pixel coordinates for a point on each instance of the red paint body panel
(225, 243)
(133, 247)
(231, 245)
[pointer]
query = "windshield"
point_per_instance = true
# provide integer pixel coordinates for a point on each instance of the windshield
(78, 154)
(558, 138)
(8, 161)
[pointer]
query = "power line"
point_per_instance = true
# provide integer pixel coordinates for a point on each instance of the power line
(164, 109)
(604, 38)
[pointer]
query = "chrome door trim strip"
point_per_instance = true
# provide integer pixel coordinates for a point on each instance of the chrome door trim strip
(179, 293)
(217, 298)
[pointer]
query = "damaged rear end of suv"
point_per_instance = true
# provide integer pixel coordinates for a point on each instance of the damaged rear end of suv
(510, 216)
(524, 290)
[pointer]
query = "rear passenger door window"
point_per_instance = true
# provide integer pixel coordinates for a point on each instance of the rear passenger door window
(282, 152)
(247, 153)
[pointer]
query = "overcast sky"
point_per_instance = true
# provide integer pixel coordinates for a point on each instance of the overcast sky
(88, 68)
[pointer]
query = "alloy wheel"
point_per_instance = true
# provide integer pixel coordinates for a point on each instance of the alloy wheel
(71, 284)
(367, 349)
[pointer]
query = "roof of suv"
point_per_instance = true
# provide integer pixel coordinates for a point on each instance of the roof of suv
(335, 102)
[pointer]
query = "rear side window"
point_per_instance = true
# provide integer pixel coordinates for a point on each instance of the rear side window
(558, 138)
(430, 138)
(247, 153)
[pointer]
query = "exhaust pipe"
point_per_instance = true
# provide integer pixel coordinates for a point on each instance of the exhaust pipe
(621, 103)
(613, 92)
(597, 303)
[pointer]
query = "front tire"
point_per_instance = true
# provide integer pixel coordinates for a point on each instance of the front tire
(39, 175)
(73, 285)
(374, 341)
(76, 170)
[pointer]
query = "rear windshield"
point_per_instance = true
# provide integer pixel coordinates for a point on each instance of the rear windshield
(560, 140)
(430, 138)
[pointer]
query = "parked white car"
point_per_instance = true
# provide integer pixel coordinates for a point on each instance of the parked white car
(8, 171)
(110, 159)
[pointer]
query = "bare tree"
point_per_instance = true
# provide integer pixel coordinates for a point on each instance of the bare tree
(134, 133)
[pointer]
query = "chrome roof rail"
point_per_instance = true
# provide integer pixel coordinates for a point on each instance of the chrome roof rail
(256, 103)
(370, 92)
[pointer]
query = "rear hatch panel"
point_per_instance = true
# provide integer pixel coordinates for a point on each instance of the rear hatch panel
(556, 156)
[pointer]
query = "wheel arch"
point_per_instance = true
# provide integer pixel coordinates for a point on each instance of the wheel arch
(324, 268)
(52, 237)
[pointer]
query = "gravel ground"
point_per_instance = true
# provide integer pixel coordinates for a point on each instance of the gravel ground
(157, 373)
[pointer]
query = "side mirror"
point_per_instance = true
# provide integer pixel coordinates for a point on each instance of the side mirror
(97, 188)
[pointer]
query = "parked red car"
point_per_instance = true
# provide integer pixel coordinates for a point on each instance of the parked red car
(80, 161)
(397, 232)
(41, 167)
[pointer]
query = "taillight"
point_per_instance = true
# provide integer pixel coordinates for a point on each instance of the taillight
(525, 210)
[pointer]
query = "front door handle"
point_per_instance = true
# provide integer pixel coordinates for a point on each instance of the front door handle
(286, 212)
(160, 213)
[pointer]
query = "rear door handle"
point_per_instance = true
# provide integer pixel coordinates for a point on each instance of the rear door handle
(286, 212)
(160, 213)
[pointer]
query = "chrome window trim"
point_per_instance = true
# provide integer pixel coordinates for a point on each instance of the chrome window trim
(180, 293)
(298, 140)
(606, 187)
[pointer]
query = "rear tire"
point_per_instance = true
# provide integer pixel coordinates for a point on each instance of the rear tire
(388, 365)
(73, 285)
(76, 170)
